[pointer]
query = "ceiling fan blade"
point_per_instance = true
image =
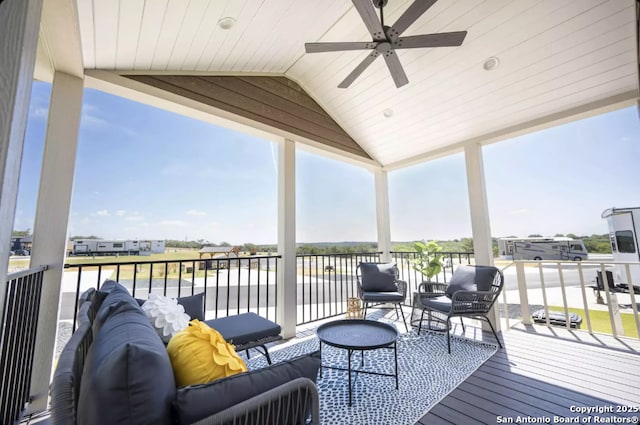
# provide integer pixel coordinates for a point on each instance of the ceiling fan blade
(358, 70)
(409, 17)
(370, 17)
(442, 39)
(395, 67)
(334, 47)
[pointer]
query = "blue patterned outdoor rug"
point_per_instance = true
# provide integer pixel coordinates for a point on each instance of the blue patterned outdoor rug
(427, 373)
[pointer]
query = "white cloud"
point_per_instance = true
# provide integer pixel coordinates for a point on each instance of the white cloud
(90, 117)
(175, 169)
(120, 213)
(196, 212)
(177, 223)
(135, 218)
(39, 112)
(103, 213)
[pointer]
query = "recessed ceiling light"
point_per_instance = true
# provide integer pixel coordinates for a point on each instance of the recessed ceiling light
(388, 113)
(491, 63)
(226, 23)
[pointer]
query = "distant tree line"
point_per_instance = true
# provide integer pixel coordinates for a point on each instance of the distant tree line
(597, 244)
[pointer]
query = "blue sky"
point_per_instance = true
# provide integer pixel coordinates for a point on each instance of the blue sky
(146, 173)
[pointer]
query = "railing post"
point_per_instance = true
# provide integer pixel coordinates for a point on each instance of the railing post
(632, 292)
(524, 296)
(612, 305)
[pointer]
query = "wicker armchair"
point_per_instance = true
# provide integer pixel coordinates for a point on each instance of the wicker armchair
(471, 293)
(378, 283)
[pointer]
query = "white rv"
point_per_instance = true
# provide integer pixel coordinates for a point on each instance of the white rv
(541, 248)
(624, 226)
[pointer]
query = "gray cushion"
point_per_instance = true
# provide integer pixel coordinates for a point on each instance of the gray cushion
(442, 303)
(193, 305)
(244, 328)
(65, 386)
(471, 278)
(84, 313)
(112, 294)
(388, 297)
(127, 378)
(196, 402)
(86, 296)
(378, 277)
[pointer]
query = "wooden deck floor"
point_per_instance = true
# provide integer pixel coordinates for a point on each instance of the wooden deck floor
(545, 374)
(539, 375)
(542, 374)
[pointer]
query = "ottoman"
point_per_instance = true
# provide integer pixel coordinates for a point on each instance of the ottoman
(247, 330)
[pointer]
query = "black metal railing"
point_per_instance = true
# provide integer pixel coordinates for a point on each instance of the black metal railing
(325, 281)
(230, 285)
(236, 285)
(17, 341)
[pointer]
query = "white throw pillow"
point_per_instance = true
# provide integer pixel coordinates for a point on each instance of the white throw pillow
(166, 315)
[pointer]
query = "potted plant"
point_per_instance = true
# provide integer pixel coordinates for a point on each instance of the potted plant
(428, 260)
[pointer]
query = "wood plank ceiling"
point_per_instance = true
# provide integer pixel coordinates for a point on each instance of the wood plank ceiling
(274, 101)
(555, 56)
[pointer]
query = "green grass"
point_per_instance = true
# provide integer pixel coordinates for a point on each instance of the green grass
(600, 321)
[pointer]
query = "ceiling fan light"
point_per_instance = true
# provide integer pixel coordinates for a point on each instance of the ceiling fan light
(492, 63)
(226, 23)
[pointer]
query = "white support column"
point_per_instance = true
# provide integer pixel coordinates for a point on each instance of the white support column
(19, 23)
(52, 217)
(287, 271)
(382, 214)
(482, 248)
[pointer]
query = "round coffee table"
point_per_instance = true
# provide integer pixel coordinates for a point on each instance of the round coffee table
(359, 335)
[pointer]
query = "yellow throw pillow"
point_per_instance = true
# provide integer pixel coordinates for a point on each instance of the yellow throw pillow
(199, 354)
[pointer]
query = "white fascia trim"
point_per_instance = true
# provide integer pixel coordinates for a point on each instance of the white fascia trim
(587, 110)
(60, 37)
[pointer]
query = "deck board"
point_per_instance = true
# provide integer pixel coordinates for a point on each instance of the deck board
(542, 372)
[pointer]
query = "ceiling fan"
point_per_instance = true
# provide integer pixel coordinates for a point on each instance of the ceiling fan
(386, 39)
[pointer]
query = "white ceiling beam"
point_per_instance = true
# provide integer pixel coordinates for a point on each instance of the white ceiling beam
(587, 110)
(59, 42)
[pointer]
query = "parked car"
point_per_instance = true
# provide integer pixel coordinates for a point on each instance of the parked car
(21, 252)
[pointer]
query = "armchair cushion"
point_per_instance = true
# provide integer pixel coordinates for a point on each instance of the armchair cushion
(471, 278)
(196, 402)
(377, 277)
(384, 297)
(442, 303)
